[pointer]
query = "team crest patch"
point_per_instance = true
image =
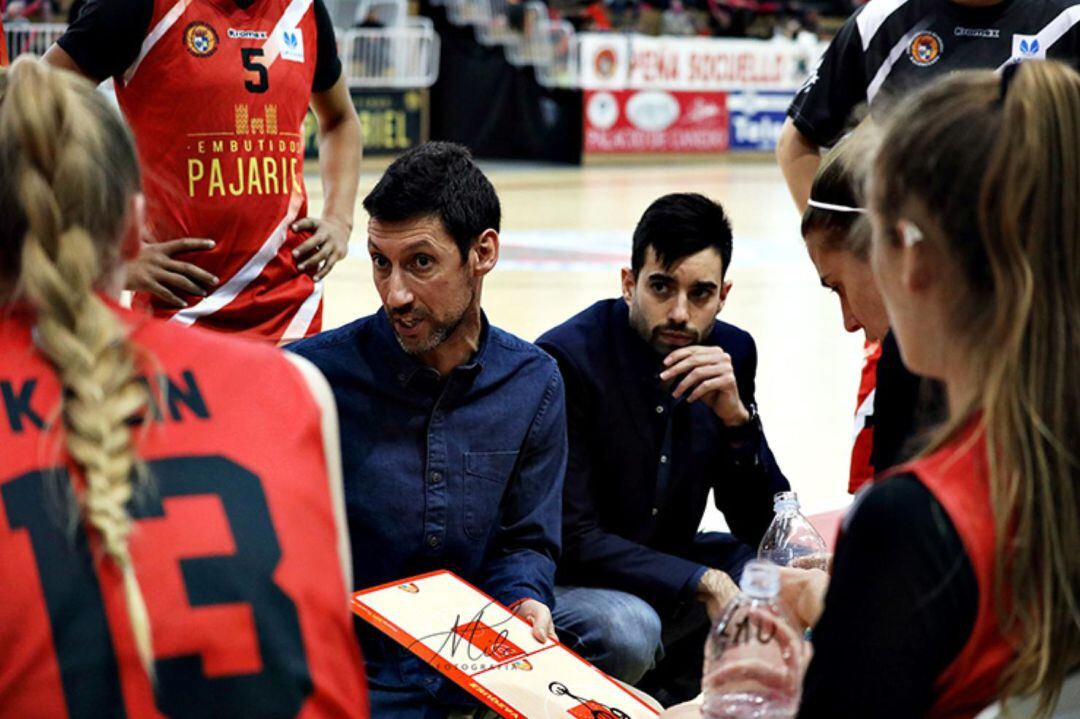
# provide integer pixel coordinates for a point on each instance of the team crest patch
(200, 39)
(925, 49)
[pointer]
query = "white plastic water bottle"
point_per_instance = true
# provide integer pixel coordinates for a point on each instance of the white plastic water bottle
(752, 655)
(791, 541)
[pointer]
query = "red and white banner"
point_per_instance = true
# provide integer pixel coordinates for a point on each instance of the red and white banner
(638, 62)
(655, 121)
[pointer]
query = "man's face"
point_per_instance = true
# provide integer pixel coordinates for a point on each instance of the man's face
(675, 306)
(425, 287)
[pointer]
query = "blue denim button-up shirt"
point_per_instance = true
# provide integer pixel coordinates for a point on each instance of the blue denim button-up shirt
(462, 472)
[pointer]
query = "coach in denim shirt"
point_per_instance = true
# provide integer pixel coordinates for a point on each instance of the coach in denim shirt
(453, 431)
(660, 398)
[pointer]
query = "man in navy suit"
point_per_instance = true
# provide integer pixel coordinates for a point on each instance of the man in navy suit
(660, 410)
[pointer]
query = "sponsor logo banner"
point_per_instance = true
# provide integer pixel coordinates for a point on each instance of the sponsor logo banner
(391, 121)
(708, 64)
(655, 121)
(757, 118)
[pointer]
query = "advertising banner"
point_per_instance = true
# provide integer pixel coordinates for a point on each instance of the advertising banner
(757, 118)
(655, 121)
(392, 121)
(638, 62)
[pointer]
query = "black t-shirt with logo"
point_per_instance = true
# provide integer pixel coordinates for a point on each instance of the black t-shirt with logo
(106, 37)
(891, 46)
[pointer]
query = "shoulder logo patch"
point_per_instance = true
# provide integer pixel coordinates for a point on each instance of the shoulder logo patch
(925, 49)
(200, 39)
(292, 45)
(1027, 47)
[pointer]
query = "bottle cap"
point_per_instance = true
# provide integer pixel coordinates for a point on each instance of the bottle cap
(760, 579)
(785, 501)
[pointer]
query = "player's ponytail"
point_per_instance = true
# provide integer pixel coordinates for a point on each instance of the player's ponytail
(995, 161)
(68, 173)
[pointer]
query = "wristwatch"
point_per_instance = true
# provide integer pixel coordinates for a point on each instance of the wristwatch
(745, 431)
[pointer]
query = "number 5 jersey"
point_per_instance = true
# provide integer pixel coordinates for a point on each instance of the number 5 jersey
(216, 93)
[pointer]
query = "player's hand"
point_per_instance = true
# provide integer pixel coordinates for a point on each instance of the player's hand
(783, 676)
(328, 243)
(539, 616)
(708, 375)
(802, 594)
(157, 271)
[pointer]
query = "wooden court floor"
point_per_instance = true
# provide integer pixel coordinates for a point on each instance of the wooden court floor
(566, 232)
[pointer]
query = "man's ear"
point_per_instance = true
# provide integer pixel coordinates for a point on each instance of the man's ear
(725, 289)
(629, 284)
(134, 228)
(486, 252)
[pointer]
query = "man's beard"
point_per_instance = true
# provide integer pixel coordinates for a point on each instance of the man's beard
(651, 335)
(440, 331)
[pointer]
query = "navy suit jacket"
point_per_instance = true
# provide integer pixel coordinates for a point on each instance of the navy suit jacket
(641, 465)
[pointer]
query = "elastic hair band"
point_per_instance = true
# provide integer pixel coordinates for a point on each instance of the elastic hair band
(836, 208)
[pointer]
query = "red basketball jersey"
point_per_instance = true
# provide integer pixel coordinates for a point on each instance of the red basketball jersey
(217, 99)
(958, 476)
(3, 46)
(234, 545)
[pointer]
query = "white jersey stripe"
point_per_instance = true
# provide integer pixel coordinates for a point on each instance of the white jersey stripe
(298, 327)
(156, 34)
(895, 54)
(289, 20)
(1054, 31)
(253, 268)
(874, 16)
(866, 409)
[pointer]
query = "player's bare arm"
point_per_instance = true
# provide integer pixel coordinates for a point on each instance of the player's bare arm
(340, 149)
(799, 158)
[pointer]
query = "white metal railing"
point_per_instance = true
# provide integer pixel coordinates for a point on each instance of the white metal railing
(31, 37)
(406, 56)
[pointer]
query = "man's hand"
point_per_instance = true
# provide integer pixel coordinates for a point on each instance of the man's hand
(328, 243)
(539, 616)
(716, 589)
(709, 376)
(802, 594)
(156, 271)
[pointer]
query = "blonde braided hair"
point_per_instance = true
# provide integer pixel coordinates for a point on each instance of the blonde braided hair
(67, 176)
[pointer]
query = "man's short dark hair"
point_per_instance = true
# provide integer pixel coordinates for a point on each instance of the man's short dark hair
(437, 179)
(679, 225)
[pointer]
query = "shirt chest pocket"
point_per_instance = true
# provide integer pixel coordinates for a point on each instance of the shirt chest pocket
(486, 475)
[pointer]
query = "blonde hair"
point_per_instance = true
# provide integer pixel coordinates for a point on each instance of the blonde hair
(68, 173)
(997, 166)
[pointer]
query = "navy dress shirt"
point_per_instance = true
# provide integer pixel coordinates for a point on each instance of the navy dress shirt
(641, 465)
(462, 472)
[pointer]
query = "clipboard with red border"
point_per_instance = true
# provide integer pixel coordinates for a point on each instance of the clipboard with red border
(491, 653)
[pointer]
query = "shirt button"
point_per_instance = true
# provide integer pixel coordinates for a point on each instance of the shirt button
(433, 541)
(655, 511)
(435, 477)
(663, 459)
(659, 409)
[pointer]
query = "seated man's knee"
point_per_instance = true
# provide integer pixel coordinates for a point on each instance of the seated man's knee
(623, 636)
